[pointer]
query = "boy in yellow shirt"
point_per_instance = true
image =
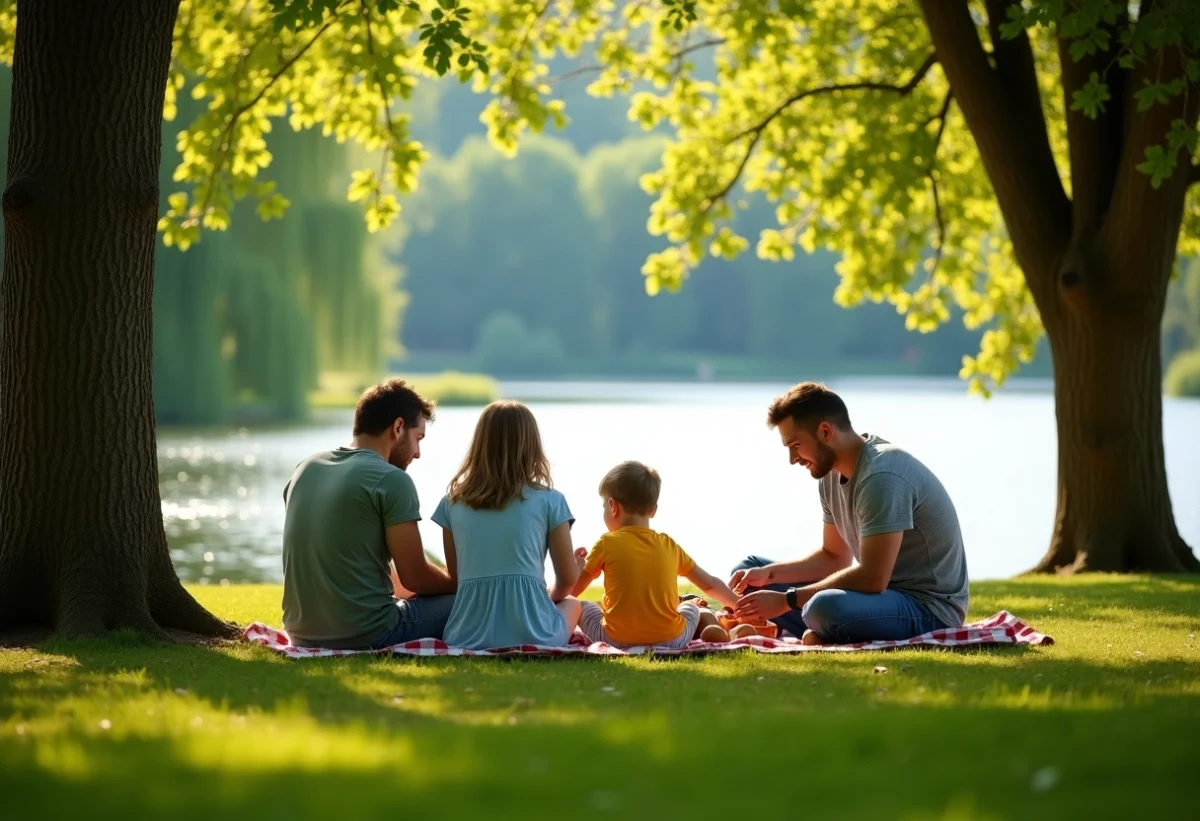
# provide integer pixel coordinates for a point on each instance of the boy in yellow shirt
(641, 568)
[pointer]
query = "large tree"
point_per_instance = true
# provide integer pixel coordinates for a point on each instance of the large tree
(82, 544)
(1027, 163)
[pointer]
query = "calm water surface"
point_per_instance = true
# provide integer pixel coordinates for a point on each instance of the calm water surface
(728, 489)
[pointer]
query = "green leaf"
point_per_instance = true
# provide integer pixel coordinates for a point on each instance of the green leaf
(1159, 164)
(363, 185)
(1091, 98)
(1152, 93)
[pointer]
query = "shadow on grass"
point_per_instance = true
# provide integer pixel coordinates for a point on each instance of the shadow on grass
(932, 737)
(992, 732)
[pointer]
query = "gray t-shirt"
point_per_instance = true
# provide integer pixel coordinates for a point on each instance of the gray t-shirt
(891, 490)
(337, 588)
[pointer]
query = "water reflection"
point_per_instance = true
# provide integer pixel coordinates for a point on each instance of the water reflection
(213, 487)
(727, 487)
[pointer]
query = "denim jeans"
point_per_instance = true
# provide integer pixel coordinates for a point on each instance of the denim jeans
(421, 617)
(848, 617)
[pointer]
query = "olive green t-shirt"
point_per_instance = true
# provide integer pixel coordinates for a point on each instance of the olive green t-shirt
(337, 588)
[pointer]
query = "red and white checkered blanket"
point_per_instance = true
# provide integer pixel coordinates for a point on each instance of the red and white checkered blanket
(1002, 628)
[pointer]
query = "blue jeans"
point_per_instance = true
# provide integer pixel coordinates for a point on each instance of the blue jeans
(848, 617)
(421, 617)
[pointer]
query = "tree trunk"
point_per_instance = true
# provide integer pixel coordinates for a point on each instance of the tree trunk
(82, 544)
(1114, 510)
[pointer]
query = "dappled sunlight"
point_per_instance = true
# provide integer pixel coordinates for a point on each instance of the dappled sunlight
(436, 736)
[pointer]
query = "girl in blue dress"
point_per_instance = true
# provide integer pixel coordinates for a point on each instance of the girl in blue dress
(500, 518)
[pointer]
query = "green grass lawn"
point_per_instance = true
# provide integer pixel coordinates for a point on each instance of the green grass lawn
(1102, 725)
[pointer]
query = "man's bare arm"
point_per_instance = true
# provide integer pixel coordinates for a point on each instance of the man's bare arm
(870, 575)
(413, 567)
(833, 555)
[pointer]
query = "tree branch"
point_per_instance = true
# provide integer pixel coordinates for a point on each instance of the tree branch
(674, 56)
(937, 200)
(1095, 142)
(1015, 65)
(241, 110)
(902, 90)
(677, 57)
(1141, 227)
(1011, 136)
(383, 93)
(755, 132)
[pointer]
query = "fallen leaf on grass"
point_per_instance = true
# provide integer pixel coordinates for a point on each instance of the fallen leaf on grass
(1044, 779)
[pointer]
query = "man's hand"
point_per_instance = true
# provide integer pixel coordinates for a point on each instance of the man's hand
(758, 607)
(754, 577)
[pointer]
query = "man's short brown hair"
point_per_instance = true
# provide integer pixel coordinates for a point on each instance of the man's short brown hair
(381, 405)
(809, 404)
(634, 485)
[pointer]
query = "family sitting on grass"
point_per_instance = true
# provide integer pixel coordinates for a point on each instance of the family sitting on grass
(356, 576)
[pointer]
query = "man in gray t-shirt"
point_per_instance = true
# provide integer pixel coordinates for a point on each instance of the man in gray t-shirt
(891, 563)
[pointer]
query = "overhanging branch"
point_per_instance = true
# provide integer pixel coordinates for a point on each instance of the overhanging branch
(262, 92)
(937, 199)
(756, 131)
(1014, 62)
(675, 56)
(384, 94)
(1010, 134)
(1095, 143)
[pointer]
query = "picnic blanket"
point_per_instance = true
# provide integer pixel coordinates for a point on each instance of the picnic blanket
(1002, 628)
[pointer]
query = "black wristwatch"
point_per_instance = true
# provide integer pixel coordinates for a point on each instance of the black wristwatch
(791, 598)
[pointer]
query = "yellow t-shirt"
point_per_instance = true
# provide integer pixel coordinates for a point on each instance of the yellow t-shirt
(641, 570)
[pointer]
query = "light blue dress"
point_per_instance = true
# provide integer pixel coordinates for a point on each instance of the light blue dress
(501, 555)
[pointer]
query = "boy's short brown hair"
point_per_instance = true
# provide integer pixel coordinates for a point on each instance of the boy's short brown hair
(634, 485)
(381, 405)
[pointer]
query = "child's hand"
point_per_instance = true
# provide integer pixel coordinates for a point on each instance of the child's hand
(754, 577)
(581, 557)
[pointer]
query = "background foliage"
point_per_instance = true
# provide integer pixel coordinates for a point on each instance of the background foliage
(699, 131)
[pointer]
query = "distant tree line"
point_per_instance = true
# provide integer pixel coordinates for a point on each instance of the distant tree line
(533, 265)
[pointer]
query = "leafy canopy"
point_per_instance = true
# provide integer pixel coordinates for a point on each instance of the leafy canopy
(835, 112)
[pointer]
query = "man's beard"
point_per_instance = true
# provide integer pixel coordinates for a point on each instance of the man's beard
(823, 464)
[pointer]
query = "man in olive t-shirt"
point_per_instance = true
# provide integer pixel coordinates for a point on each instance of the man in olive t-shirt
(351, 512)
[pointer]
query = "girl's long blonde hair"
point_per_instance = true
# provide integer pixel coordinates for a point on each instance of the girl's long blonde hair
(505, 457)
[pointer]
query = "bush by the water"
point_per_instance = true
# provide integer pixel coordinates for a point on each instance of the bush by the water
(453, 388)
(506, 345)
(447, 389)
(1183, 375)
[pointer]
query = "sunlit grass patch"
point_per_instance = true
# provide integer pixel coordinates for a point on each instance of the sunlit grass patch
(1102, 724)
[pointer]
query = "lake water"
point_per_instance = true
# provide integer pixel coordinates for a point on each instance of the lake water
(728, 489)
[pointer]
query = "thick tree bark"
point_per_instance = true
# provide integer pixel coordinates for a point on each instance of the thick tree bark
(1114, 509)
(82, 544)
(1097, 267)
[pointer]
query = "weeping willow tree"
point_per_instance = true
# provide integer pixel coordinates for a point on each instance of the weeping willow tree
(246, 321)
